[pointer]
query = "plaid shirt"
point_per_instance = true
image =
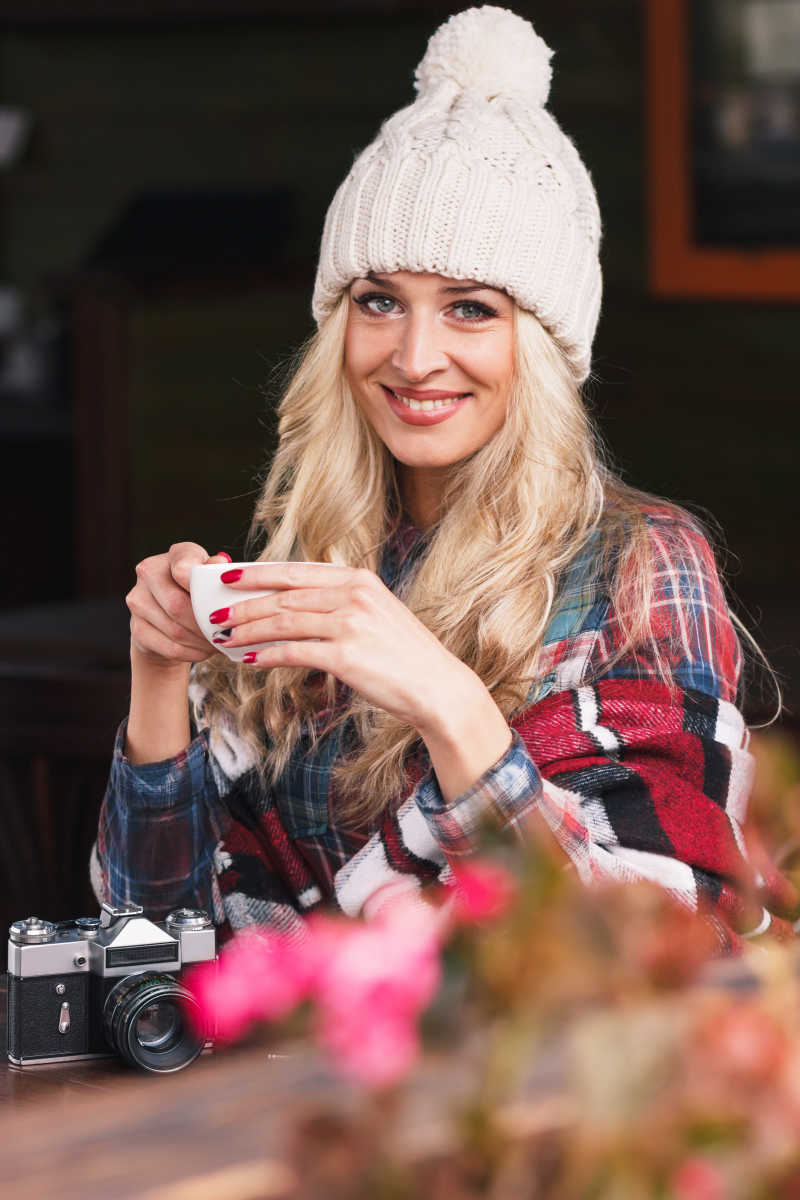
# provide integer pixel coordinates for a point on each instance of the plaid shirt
(636, 779)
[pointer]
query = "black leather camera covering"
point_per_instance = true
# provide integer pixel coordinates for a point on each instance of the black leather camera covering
(34, 1009)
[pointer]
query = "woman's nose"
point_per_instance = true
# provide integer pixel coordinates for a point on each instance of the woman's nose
(420, 348)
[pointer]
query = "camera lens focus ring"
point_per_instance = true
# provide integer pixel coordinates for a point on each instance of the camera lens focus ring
(147, 1023)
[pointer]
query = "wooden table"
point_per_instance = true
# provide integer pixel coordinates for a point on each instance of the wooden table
(99, 1128)
(226, 1127)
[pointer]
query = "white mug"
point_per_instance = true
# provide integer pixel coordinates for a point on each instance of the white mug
(209, 593)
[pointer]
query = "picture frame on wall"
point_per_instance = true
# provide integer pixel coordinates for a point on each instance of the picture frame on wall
(723, 134)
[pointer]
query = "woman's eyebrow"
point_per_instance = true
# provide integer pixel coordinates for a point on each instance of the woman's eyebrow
(470, 287)
(373, 278)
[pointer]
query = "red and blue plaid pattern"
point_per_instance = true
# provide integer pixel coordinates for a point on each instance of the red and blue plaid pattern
(635, 777)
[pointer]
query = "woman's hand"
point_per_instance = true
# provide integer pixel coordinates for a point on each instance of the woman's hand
(367, 637)
(163, 629)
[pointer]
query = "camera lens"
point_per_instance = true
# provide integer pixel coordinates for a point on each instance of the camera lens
(159, 1026)
(145, 1021)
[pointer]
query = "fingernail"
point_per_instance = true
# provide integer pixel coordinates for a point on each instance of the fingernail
(220, 616)
(221, 637)
(231, 576)
(250, 657)
(223, 554)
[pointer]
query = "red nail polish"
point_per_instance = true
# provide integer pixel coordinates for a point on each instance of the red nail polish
(220, 616)
(231, 576)
(250, 657)
(223, 554)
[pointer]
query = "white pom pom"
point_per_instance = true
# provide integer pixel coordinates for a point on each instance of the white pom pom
(491, 50)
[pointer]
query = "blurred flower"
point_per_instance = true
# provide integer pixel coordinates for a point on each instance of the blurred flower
(483, 891)
(260, 976)
(371, 986)
(369, 982)
(376, 1046)
(743, 1041)
(698, 1179)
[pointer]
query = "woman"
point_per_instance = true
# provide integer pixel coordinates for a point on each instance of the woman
(511, 629)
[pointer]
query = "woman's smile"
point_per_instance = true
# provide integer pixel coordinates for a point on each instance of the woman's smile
(424, 408)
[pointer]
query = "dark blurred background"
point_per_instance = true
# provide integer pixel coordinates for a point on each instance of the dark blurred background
(165, 168)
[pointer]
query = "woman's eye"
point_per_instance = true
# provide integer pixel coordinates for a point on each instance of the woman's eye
(472, 310)
(382, 304)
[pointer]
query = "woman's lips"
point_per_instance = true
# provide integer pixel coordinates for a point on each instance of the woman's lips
(416, 417)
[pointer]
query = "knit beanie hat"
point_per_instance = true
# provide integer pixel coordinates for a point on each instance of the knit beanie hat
(475, 180)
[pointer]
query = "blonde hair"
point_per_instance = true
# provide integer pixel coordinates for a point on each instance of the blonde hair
(514, 516)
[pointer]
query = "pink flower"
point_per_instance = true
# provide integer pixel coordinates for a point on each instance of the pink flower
(374, 1048)
(260, 976)
(698, 1179)
(372, 982)
(368, 981)
(483, 891)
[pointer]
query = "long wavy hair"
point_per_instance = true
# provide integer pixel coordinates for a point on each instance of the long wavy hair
(514, 515)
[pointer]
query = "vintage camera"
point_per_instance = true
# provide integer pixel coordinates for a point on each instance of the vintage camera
(109, 984)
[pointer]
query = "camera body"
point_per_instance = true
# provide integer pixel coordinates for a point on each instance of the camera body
(94, 986)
